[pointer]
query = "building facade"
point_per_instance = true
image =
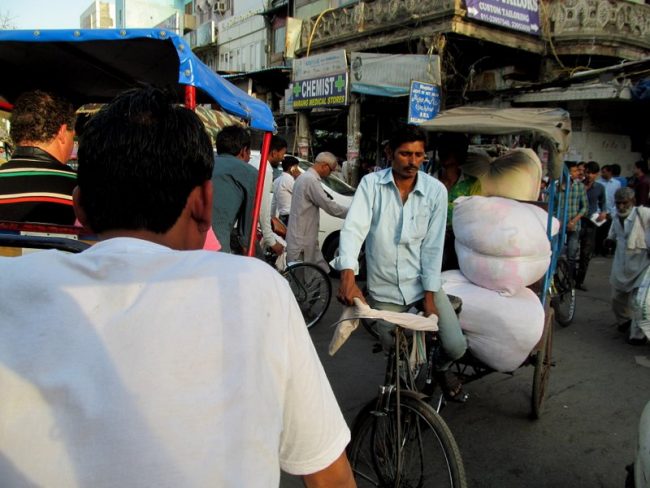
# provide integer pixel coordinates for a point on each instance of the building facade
(99, 15)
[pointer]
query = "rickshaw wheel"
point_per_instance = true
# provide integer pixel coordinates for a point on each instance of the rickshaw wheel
(542, 366)
(564, 293)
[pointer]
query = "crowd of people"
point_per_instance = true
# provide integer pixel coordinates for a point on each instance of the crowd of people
(150, 185)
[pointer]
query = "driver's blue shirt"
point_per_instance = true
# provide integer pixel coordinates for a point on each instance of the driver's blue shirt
(404, 242)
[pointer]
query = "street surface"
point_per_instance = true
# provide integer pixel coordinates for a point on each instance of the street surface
(587, 433)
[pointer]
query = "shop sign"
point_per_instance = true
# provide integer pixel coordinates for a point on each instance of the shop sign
(390, 75)
(320, 65)
(521, 15)
(325, 91)
(424, 102)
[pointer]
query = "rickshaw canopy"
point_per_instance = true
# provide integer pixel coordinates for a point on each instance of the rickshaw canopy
(554, 124)
(88, 66)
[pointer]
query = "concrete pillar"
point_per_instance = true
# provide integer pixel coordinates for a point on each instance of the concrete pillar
(354, 138)
(303, 135)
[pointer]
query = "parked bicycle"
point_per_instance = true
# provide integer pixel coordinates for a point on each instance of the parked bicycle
(310, 285)
(398, 439)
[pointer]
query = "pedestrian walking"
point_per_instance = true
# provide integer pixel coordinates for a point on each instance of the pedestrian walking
(308, 199)
(596, 216)
(629, 230)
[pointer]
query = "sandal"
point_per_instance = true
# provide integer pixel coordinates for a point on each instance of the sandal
(452, 388)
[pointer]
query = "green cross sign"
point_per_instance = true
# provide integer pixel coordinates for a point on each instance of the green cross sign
(296, 89)
(339, 83)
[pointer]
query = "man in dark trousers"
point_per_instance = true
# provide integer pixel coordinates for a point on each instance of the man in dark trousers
(36, 184)
(596, 216)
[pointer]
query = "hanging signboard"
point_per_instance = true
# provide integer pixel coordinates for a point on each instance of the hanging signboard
(424, 102)
(331, 63)
(521, 15)
(324, 91)
(390, 75)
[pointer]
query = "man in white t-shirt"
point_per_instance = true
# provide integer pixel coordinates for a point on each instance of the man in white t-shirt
(283, 189)
(144, 362)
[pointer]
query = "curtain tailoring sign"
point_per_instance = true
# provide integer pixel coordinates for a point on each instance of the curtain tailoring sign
(424, 102)
(521, 15)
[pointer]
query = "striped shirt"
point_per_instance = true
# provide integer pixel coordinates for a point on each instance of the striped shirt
(35, 187)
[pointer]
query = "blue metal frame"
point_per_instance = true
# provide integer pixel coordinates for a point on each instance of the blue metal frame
(555, 187)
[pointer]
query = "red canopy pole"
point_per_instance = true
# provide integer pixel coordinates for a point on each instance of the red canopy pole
(190, 97)
(266, 145)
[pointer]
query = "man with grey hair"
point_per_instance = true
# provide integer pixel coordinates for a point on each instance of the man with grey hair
(308, 198)
(629, 230)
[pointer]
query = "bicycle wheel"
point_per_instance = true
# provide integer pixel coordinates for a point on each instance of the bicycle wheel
(429, 453)
(312, 289)
(563, 296)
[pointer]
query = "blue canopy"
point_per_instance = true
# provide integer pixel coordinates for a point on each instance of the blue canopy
(95, 65)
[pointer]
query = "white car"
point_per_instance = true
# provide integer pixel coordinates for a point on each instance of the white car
(330, 227)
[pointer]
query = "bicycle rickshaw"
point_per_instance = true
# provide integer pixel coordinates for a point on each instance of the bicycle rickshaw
(92, 67)
(549, 128)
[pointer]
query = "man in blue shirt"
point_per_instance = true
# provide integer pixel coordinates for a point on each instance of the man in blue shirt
(401, 214)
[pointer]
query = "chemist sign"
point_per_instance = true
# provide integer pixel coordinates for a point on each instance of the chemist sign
(424, 102)
(324, 91)
(521, 15)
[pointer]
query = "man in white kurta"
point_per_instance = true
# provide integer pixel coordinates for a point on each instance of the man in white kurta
(142, 362)
(629, 229)
(308, 198)
(283, 189)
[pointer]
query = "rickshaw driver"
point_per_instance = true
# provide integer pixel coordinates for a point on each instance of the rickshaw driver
(141, 361)
(401, 214)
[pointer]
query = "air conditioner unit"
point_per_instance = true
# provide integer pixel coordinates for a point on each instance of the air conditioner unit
(220, 7)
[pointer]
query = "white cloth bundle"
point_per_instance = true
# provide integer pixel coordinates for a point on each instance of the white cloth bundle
(501, 243)
(351, 315)
(517, 174)
(501, 331)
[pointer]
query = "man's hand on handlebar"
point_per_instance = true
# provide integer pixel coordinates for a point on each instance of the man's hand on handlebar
(348, 289)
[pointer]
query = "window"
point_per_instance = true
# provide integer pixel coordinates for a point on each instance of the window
(279, 36)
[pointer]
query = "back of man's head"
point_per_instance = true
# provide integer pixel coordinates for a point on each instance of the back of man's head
(139, 159)
(616, 169)
(232, 139)
(37, 117)
(289, 162)
(278, 143)
(406, 133)
(327, 158)
(452, 144)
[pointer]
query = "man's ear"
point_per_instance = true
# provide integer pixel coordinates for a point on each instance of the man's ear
(201, 205)
(78, 209)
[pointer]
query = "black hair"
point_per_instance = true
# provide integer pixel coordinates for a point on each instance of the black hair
(452, 143)
(407, 133)
(232, 139)
(616, 169)
(278, 143)
(592, 167)
(288, 162)
(139, 159)
(37, 116)
(642, 165)
(571, 164)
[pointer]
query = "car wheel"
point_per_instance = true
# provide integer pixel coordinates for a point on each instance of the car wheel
(331, 251)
